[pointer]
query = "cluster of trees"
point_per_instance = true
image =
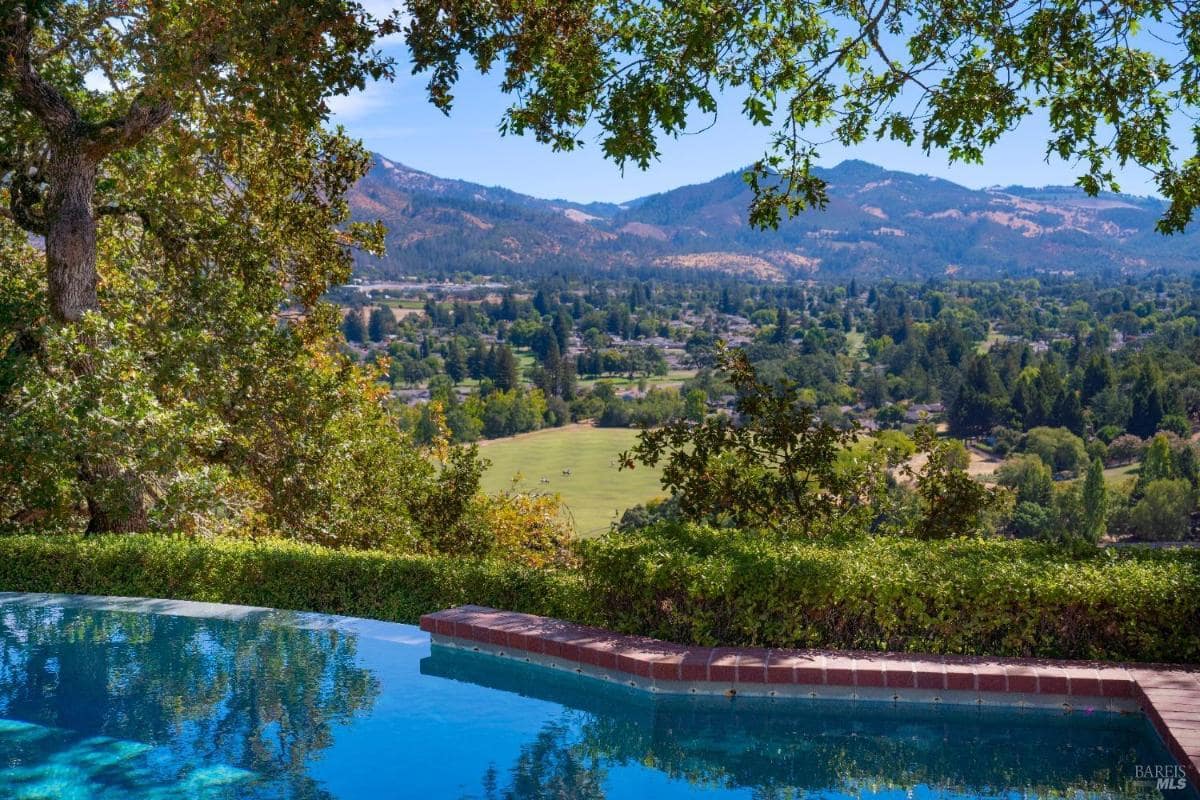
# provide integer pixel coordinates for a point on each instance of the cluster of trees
(380, 325)
(187, 189)
(1157, 505)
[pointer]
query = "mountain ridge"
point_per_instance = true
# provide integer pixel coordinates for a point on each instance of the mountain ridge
(878, 222)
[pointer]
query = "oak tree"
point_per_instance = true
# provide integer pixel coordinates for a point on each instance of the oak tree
(135, 110)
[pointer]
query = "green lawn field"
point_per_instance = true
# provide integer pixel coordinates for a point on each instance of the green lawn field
(595, 492)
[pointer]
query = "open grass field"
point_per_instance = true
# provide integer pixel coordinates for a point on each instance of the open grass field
(595, 492)
(1115, 476)
(673, 378)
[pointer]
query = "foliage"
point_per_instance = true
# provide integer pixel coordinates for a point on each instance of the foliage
(1029, 477)
(281, 574)
(176, 170)
(776, 465)
(1060, 449)
(1094, 499)
(528, 528)
(953, 503)
(1164, 510)
(690, 583)
(947, 76)
(1157, 465)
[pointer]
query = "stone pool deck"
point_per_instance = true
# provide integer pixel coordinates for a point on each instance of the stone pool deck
(1168, 696)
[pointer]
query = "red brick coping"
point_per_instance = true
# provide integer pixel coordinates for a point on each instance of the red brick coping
(1169, 696)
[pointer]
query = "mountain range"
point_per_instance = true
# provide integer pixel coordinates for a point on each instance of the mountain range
(878, 222)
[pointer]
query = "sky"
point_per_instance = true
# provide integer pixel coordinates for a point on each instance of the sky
(396, 120)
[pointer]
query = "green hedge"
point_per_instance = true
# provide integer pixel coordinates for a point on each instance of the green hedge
(996, 597)
(279, 575)
(691, 584)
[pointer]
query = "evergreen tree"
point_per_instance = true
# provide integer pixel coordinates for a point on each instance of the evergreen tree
(980, 404)
(1147, 401)
(1068, 413)
(477, 361)
(353, 328)
(783, 326)
(504, 368)
(1095, 502)
(1188, 466)
(456, 361)
(1097, 376)
(562, 329)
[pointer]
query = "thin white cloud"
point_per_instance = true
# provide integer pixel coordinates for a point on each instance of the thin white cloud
(376, 97)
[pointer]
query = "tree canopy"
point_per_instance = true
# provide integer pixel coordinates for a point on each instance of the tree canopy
(1114, 82)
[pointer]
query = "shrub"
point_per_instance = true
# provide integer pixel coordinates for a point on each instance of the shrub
(1002, 597)
(1031, 520)
(282, 574)
(690, 583)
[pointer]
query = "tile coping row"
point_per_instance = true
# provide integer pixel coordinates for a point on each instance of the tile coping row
(1169, 696)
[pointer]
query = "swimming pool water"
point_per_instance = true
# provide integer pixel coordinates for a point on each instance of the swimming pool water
(140, 705)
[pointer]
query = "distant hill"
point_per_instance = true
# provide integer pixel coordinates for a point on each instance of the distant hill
(878, 223)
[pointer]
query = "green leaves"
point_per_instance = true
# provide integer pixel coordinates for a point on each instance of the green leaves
(954, 76)
(687, 582)
(776, 465)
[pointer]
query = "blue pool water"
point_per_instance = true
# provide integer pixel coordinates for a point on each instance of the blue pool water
(173, 700)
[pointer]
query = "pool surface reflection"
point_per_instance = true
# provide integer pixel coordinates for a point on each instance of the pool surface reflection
(110, 700)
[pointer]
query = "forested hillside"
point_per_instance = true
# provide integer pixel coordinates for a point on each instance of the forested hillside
(877, 223)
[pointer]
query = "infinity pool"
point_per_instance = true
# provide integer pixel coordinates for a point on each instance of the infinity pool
(154, 699)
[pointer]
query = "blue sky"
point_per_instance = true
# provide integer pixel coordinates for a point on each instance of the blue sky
(395, 119)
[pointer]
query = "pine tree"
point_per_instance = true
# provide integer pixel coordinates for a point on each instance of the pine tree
(1147, 401)
(1097, 376)
(980, 404)
(504, 368)
(456, 361)
(1068, 413)
(1189, 466)
(783, 326)
(477, 361)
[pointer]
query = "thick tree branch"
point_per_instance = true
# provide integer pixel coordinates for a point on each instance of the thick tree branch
(143, 117)
(34, 93)
(119, 210)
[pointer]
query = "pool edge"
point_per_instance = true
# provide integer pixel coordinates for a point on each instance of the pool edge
(1169, 696)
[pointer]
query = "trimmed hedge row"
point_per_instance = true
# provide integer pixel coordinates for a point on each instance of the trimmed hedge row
(691, 584)
(966, 596)
(279, 574)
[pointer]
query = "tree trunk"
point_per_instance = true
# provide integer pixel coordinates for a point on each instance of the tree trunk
(71, 235)
(115, 496)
